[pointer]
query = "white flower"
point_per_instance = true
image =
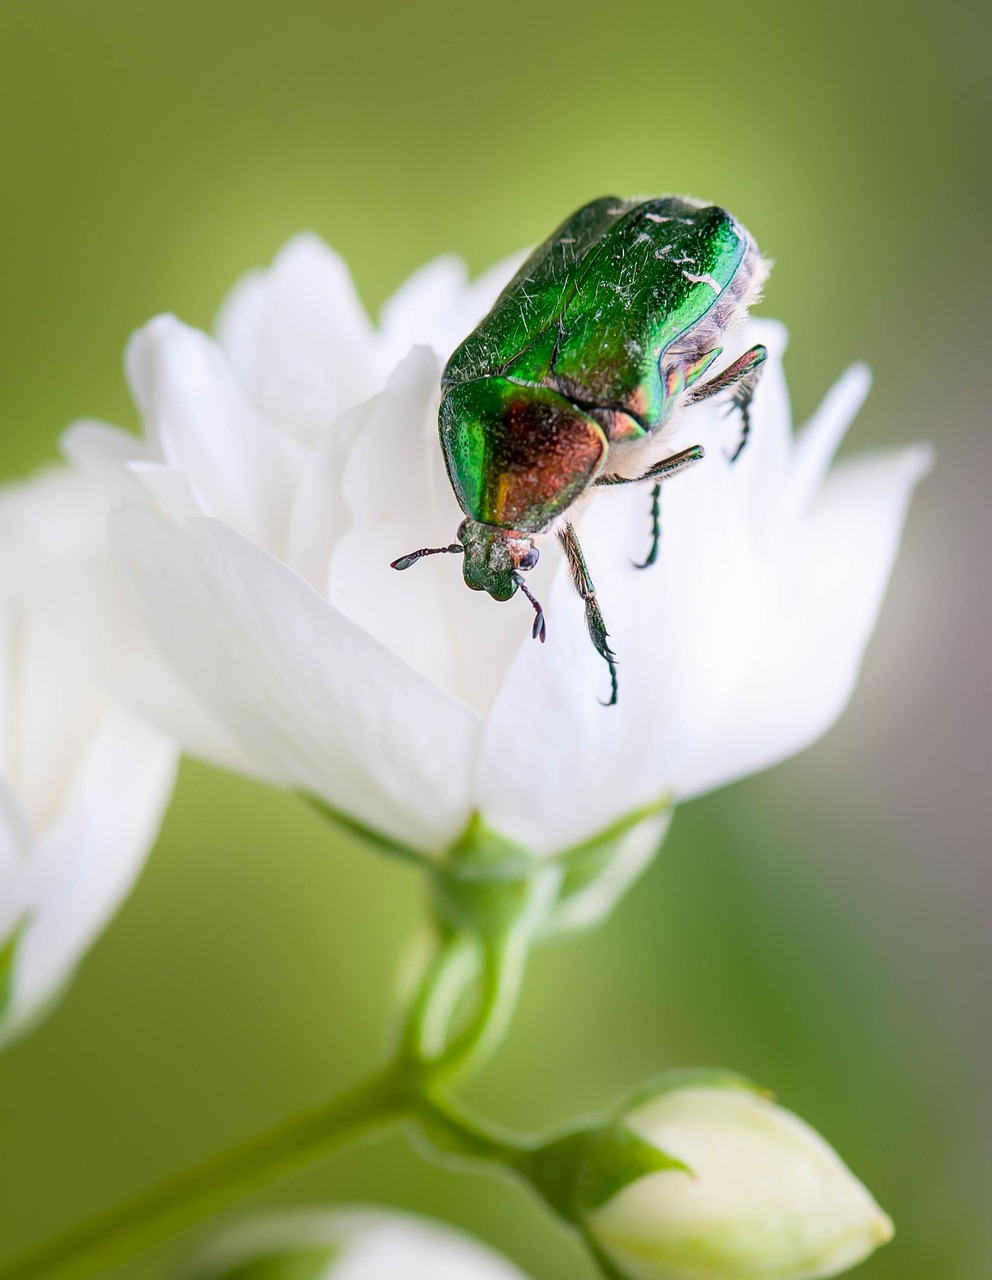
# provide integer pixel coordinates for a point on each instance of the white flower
(83, 783)
(762, 1196)
(352, 1244)
(272, 506)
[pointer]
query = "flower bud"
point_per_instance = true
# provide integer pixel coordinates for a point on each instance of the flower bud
(709, 1180)
(347, 1244)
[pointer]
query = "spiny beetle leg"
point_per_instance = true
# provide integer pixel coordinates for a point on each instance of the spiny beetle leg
(743, 376)
(594, 618)
(660, 471)
(652, 555)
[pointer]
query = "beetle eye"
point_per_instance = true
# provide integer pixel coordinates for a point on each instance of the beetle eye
(530, 558)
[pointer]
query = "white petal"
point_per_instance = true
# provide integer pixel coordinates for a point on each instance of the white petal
(82, 867)
(299, 339)
(388, 487)
(317, 701)
(437, 306)
(820, 439)
(400, 499)
(362, 1244)
(237, 464)
(51, 711)
(825, 584)
(319, 515)
(53, 549)
(418, 313)
(14, 844)
(103, 453)
(167, 485)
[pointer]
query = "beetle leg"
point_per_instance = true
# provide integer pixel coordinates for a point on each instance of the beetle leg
(652, 555)
(743, 376)
(660, 471)
(594, 617)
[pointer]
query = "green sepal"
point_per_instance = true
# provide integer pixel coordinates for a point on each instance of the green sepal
(382, 842)
(616, 1158)
(592, 866)
(583, 1170)
(480, 853)
(309, 1262)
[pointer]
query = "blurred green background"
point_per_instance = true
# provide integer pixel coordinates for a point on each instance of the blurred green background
(824, 927)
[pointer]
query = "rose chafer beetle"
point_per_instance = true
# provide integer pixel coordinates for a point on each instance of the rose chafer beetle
(600, 339)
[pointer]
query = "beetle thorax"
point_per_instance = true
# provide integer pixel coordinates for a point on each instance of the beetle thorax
(494, 557)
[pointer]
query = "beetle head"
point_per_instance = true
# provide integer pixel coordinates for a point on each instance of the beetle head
(494, 561)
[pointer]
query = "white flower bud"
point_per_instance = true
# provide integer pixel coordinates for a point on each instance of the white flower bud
(349, 1244)
(761, 1196)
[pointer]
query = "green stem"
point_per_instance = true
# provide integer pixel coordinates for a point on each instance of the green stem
(453, 1132)
(184, 1200)
(501, 980)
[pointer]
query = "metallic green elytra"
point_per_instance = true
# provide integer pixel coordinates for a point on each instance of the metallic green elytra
(600, 339)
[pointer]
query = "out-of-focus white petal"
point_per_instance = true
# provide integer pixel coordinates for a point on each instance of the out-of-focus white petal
(419, 313)
(438, 306)
(299, 339)
(83, 784)
(360, 1244)
(85, 863)
(53, 542)
(626, 858)
(824, 588)
(14, 838)
(317, 701)
(239, 466)
(819, 440)
(103, 453)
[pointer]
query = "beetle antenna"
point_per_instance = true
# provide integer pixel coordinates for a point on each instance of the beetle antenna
(539, 630)
(404, 562)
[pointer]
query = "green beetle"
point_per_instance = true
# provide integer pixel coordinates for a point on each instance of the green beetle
(598, 341)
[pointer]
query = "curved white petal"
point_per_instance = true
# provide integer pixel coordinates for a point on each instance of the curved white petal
(820, 439)
(299, 339)
(239, 466)
(422, 310)
(360, 1244)
(388, 485)
(81, 868)
(319, 515)
(53, 542)
(82, 785)
(824, 587)
(317, 701)
(438, 306)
